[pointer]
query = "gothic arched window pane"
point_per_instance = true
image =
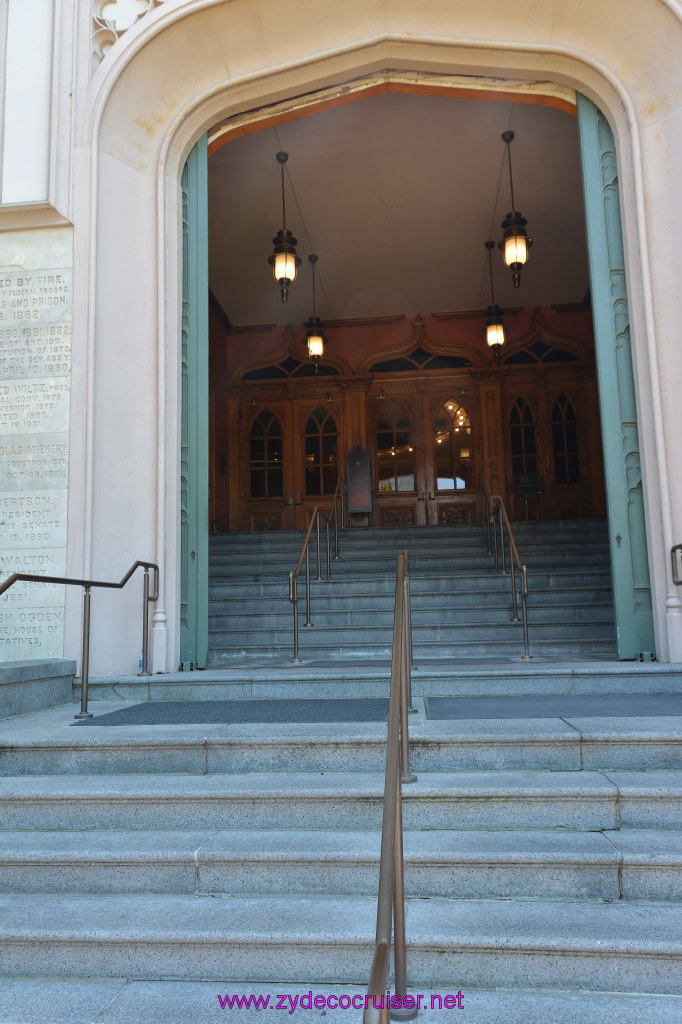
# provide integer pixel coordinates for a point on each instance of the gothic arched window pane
(565, 442)
(522, 438)
(452, 448)
(265, 457)
(395, 450)
(321, 453)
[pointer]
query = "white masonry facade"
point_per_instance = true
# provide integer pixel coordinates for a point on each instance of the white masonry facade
(101, 102)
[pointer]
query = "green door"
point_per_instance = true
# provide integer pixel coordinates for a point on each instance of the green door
(194, 437)
(627, 535)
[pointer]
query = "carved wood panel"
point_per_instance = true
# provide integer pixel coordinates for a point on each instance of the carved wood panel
(266, 522)
(457, 515)
(397, 515)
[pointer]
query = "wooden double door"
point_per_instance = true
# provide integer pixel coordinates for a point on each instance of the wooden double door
(426, 441)
(425, 453)
(293, 452)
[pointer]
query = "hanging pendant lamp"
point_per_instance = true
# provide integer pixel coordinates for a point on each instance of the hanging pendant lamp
(494, 325)
(515, 241)
(315, 338)
(284, 261)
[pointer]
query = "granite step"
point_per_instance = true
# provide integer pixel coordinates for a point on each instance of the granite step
(610, 865)
(569, 743)
(330, 597)
(528, 799)
(583, 559)
(497, 675)
(442, 632)
(120, 1001)
(325, 647)
(423, 618)
(379, 586)
(576, 945)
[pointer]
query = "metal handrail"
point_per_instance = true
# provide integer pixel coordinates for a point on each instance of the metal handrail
(329, 520)
(147, 598)
(391, 898)
(497, 516)
(675, 554)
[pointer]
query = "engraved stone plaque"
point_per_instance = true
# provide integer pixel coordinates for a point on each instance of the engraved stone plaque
(35, 381)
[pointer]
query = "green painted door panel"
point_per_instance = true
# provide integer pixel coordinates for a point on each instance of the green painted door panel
(194, 435)
(627, 536)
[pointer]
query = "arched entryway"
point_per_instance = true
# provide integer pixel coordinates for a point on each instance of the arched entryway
(409, 443)
(129, 336)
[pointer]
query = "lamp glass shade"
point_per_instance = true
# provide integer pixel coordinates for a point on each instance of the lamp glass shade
(494, 333)
(284, 266)
(516, 250)
(315, 346)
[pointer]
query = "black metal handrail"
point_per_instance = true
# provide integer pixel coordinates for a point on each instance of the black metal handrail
(495, 513)
(329, 520)
(391, 898)
(23, 577)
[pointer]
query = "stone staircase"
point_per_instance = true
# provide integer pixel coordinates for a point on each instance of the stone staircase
(461, 607)
(146, 870)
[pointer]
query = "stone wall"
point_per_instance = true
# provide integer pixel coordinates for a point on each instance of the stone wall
(35, 383)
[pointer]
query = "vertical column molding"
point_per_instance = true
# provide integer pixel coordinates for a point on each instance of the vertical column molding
(494, 454)
(625, 505)
(194, 427)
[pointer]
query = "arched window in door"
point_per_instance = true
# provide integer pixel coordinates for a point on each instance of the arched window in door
(265, 456)
(522, 438)
(395, 450)
(565, 442)
(321, 453)
(452, 450)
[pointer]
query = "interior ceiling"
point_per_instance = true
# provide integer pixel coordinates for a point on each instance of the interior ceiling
(397, 194)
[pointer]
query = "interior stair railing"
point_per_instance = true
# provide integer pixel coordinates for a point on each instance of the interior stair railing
(147, 599)
(336, 512)
(391, 899)
(498, 526)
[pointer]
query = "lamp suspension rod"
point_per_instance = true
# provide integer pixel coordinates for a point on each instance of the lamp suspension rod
(490, 246)
(283, 157)
(507, 136)
(313, 260)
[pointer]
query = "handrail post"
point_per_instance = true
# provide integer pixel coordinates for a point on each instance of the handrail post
(307, 587)
(85, 660)
(329, 564)
(502, 540)
(494, 514)
(336, 531)
(524, 594)
(343, 502)
(145, 625)
(317, 530)
(515, 614)
(293, 597)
